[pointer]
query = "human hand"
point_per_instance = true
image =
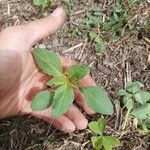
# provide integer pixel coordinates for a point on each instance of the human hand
(21, 80)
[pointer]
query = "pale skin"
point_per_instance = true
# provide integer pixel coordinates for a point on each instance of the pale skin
(21, 79)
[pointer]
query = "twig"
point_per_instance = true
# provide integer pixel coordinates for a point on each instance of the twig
(149, 58)
(31, 147)
(73, 48)
(126, 119)
(8, 9)
(82, 51)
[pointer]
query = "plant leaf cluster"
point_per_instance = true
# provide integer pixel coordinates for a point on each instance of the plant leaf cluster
(118, 20)
(64, 84)
(42, 3)
(92, 20)
(144, 126)
(136, 100)
(99, 140)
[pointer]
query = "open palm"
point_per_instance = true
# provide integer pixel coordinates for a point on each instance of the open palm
(20, 79)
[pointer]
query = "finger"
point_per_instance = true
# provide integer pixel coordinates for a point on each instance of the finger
(40, 29)
(66, 63)
(25, 36)
(62, 122)
(85, 82)
(81, 102)
(77, 118)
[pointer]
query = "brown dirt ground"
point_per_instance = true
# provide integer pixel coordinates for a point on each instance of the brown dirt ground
(108, 70)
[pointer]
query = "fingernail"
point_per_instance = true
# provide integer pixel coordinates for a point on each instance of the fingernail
(57, 12)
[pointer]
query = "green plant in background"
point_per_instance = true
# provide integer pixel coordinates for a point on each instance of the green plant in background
(99, 140)
(144, 126)
(100, 46)
(134, 2)
(64, 84)
(136, 101)
(42, 3)
(118, 21)
(92, 20)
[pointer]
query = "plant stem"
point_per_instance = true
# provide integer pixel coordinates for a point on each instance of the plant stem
(126, 119)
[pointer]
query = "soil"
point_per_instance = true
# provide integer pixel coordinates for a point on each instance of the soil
(109, 70)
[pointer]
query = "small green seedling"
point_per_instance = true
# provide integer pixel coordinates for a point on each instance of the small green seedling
(99, 140)
(136, 101)
(118, 21)
(100, 46)
(64, 84)
(92, 20)
(42, 3)
(144, 126)
(133, 2)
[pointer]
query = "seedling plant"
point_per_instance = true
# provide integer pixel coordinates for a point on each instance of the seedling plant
(64, 84)
(136, 101)
(91, 22)
(42, 3)
(99, 140)
(117, 23)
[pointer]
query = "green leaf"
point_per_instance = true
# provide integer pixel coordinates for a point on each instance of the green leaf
(118, 2)
(57, 81)
(93, 35)
(94, 127)
(42, 101)
(134, 87)
(43, 3)
(128, 101)
(48, 61)
(96, 142)
(142, 112)
(101, 48)
(98, 127)
(102, 124)
(110, 142)
(122, 92)
(98, 40)
(98, 100)
(142, 97)
(97, 13)
(38, 2)
(63, 99)
(78, 71)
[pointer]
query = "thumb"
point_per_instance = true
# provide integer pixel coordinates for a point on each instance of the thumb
(37, 30)
(23, 37)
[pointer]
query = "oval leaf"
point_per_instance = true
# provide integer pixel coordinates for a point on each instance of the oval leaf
(122, 92)
(98, 127)
(142, 97)
(38, 2)
(102, 124)
(63, 99)
(98, 100)
(94, 127)
(42, 101)
(133, 87)
(78, 71)
(96, 142)
(110, 142)
(128, 101)
(48, 61)
(142, 112)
